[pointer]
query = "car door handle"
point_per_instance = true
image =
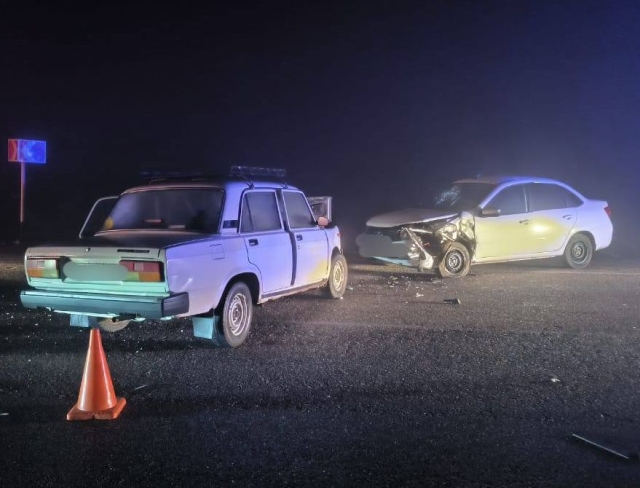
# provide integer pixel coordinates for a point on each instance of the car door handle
(524, 222)
(567, 217)
(299, 237)
(253, 242)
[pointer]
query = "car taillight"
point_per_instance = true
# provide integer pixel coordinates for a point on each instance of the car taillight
(42, 268)
(147, 271)
(607, 210)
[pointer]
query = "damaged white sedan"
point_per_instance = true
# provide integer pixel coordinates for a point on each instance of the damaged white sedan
(490, 220)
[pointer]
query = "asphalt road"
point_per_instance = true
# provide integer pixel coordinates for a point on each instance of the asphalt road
(391, 386)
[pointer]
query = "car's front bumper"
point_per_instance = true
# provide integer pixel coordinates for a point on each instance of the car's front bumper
(107, 305)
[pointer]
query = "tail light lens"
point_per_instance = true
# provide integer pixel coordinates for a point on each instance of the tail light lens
(145, 271)
(607, 210)
(42, 268)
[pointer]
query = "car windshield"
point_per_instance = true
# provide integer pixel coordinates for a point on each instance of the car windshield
(192, 209)
(462, 196)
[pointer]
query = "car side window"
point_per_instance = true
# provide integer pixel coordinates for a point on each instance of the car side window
(510, 200)
(260, 212)
(298, 210)
(545, 196)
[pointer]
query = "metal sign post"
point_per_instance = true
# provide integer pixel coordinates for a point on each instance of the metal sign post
(26, 151)
(22, 183)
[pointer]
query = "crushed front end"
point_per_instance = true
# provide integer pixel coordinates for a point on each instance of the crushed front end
(420, 245)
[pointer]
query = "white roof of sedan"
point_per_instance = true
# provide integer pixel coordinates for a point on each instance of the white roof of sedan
(498, 180)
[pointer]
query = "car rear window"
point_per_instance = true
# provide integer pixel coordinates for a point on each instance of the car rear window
(191, 209)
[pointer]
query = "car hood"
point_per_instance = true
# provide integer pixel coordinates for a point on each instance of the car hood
(409, 216)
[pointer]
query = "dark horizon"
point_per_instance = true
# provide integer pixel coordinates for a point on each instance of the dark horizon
(373, 104)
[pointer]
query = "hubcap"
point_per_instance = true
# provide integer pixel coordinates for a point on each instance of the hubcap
(238, 314)
(579, 252)
(455, 262)
(338, 276)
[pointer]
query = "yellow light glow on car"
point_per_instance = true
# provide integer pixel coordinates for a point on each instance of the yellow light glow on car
(539, 228)
(42, 268)
(143, 271)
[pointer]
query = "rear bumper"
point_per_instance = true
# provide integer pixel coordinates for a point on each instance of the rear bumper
(107, 305)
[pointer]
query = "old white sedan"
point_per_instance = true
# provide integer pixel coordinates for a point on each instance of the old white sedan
(208, 248)
(489, 220)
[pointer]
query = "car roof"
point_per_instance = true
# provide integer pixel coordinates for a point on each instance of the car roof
(501, 179)
(227, 183)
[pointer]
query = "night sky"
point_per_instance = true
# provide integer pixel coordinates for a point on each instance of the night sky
(374, 103)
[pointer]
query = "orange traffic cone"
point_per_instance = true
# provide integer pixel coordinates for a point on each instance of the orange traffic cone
(97, 398)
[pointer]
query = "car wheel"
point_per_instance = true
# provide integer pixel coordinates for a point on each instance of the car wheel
(579, 251)
(455, 262)
(109, 325)
(233, 327)
(338, 276)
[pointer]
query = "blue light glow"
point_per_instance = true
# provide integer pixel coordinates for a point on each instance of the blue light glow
(32, 151)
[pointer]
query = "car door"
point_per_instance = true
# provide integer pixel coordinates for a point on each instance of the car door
(268, 245)
(505, 234)
(552, 215)
(311, 245)
(320, 206)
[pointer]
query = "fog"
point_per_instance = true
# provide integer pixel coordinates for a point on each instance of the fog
(376, 106)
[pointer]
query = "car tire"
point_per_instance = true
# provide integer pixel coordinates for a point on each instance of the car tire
(578, 252)
(234, 323)
(455, 262)
(109, 325)
(338, 276)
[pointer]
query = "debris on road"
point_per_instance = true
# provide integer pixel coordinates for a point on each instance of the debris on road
(555, 379)
(418, 295)
(627, 457)
(454, 301)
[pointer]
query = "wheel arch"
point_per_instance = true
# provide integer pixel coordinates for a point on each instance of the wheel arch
(583, 232)
(471, 249)
(336, 250)
(250, 279)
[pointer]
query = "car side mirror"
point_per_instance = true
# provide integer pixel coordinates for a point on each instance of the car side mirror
(323, 221)
(490, 212)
